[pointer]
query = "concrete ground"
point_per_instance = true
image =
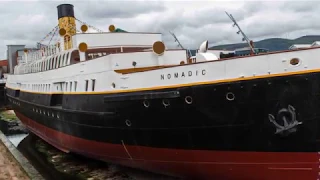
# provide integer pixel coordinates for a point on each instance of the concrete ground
(9, 167)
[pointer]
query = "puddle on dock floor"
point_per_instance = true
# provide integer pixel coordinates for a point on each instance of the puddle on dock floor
(16, 138)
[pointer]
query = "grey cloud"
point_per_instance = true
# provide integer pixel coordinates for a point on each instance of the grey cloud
(272, 22)
(279, 25)
(192, 27)
(121, 9)
(300, 6)
(28, 32)
(198, 19)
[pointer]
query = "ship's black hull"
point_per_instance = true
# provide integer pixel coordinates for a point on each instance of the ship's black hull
(3, 97)
(242, 121)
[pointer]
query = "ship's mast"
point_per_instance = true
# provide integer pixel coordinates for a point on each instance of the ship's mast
(244, 36)
(176, 39)
(179, 44)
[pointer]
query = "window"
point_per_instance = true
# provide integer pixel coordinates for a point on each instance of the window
(70, 86)
(54, 62)
(63, 63)
(50, 63)
(59, 61)
(93, 84)
(86, 86)
(66, 88)
(75, 86)
(67, 58)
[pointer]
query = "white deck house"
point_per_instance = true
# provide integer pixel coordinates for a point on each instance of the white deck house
(315, 44)
(299, 46)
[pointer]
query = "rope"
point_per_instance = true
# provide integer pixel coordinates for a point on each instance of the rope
(54, 33)
(98, 30)
(50, 33)
(57, 39)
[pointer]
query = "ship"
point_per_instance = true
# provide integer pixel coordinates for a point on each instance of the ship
(125, 98)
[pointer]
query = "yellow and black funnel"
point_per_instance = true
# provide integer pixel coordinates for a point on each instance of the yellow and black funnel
(67, 24)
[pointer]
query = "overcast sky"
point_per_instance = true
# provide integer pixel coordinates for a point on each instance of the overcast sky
(27, 22)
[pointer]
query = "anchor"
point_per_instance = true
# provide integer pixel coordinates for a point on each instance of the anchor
(289, 124)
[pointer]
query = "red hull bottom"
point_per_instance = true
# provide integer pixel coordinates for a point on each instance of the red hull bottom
(194, 164)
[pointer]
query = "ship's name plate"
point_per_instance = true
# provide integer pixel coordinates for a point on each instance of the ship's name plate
(183, 74)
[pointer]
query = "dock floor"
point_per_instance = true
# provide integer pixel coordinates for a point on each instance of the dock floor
(9, 167)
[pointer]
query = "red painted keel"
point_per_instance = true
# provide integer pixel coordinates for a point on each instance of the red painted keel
(194, 164)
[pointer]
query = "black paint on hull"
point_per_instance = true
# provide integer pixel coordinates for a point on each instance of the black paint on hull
(215, 120)
(3, 98)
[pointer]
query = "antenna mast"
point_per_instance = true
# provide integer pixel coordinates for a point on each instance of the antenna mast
(244, 38)
(179, 44)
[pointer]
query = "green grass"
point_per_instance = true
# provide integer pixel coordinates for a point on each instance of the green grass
(8, 116)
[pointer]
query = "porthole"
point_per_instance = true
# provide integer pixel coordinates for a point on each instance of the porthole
(146, 103)
(188, 99)
(295, 61)
(230, 96)
(128, 122)
(166, 102)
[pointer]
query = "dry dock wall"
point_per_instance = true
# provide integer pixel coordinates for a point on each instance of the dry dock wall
(21, 160)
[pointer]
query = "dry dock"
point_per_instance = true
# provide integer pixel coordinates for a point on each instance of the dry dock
(25, 156)
(14, 166)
